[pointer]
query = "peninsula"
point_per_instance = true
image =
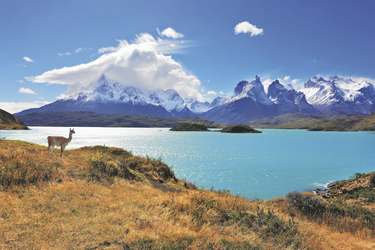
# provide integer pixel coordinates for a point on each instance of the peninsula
(10, 122)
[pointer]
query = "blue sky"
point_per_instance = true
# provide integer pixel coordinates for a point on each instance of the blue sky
(49, 49)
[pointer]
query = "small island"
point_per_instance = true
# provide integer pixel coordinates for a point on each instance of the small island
(189, 127)
(238, 128)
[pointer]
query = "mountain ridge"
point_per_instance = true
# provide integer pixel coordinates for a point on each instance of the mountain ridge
(250, 100)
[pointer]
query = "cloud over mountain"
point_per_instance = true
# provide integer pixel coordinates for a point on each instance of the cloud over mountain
(143, 64)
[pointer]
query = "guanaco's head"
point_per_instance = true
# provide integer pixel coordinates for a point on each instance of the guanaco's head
(72, 131)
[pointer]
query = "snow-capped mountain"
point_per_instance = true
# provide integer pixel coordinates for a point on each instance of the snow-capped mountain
(253, 90)
(201, 107)
(107, 96)
(288, 100)
(340, 93)
(250, 102)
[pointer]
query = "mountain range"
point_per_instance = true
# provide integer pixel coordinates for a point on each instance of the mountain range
(249, 102)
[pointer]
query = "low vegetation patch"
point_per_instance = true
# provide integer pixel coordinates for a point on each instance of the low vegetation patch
(339, 215)
(106, 198)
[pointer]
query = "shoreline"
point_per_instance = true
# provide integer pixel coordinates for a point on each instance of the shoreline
(325, 192)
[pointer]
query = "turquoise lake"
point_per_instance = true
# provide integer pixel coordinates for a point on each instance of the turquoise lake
(262, 166)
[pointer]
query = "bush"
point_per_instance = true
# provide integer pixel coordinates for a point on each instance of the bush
(357, 175)
(102, 167)
(372, 179)
(342, 216)
(24, 170)
(306, 204)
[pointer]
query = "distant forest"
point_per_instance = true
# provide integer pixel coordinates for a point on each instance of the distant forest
(92, 119)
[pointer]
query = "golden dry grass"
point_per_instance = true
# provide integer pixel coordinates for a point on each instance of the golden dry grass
(89, 201)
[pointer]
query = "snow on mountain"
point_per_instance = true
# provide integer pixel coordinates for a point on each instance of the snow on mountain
(279, 94)
(201, 107)
(107, 96)
(249, 101)
(108, 91)
(289, 100)
(340, 93)
(253, 90)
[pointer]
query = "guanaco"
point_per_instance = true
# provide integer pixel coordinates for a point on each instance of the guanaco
(59, 141)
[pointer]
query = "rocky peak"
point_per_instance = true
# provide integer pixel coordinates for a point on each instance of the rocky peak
(279, 94)
(310, 83)
(240, 86)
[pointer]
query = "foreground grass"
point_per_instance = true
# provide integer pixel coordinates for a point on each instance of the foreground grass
(106, 198)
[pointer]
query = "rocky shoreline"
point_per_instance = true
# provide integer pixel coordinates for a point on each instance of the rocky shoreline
(326, 191)
(357, 182)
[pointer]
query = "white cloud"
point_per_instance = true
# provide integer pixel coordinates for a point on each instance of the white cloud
(246, 27)
(170, 33)
(106, 50)
(78, 50)
(211, 92)
(15, 107)
(141, 64)
(28, 59)
(295, 81)
(113, 49)
(286, 78)
(27, 91)
(64, 54)
(266, 83)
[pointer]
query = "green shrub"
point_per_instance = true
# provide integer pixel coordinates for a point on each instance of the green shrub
(333, 213)
(357, 175)
(102, 167)
(372, 179)
(306, 204)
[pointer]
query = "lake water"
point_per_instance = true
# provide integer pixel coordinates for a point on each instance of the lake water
(262, 166)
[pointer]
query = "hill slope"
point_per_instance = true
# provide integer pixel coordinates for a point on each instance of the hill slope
(91, 119)
(9, 121)
(333, 121)
(106, 198)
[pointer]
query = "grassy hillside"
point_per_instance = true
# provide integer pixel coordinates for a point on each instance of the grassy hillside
(9, 121)
(367, 124)
(334, 121)
(92, 119)
(339, 124)
(106, 198)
